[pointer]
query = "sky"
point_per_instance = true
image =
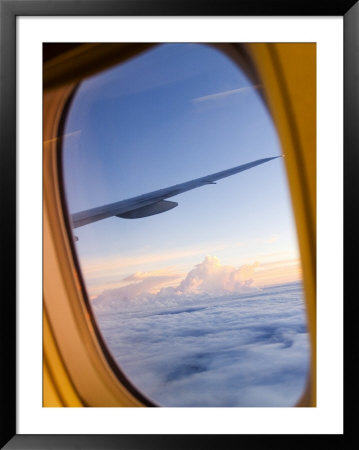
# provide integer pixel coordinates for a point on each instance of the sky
(172, 114)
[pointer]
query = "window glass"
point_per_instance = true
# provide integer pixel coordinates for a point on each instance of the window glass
(202, 304)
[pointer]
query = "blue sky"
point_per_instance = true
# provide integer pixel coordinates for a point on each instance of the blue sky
(174, 113)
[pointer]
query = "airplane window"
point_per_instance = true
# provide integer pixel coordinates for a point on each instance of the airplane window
(191, 268)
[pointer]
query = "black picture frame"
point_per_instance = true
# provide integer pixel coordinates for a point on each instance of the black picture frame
(9, 10)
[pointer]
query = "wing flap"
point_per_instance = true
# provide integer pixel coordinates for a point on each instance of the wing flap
(149, 210)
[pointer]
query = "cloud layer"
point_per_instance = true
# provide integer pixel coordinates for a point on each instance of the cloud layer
(207, 279)
(234, 350)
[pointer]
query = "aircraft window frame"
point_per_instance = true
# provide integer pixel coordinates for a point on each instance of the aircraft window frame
(125, 381)
(244, 58)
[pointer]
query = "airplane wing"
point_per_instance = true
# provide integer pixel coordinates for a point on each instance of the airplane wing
(154, 202)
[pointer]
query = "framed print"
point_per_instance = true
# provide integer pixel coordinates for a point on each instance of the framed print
(138, 320)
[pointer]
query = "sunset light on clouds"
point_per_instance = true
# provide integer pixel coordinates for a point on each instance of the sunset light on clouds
(260, 275)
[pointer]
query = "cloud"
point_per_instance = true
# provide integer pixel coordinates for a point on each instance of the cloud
(98, 267)
(272, 239)
(139, 276)
(138, 292)
(224, 94)
(285, 271)
(209, 278)
(240, 350)
(158, 278)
